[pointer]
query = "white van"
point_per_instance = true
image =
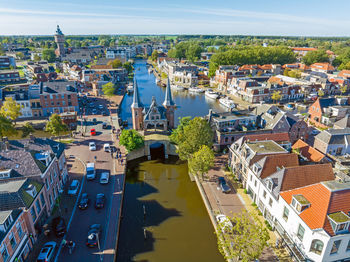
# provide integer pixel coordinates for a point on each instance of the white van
(107, 147)
(90, 171)
(104, 178)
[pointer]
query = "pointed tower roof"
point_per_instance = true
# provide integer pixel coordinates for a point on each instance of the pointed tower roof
(168, 101)
(136, 102)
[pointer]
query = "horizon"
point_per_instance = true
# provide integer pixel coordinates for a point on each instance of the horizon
(39, 18)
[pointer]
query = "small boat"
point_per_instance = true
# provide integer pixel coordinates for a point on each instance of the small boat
(157, 81)
(227, 102)
(211, 94)
(177, 87)
(150, 70)
(195, 90)
(130, 88)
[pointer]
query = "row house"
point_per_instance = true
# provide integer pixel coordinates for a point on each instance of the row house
(302, 51)
(124, 53)
(253, 70)
(36, 167)
(226, 77)
(297, 66)
(175, 70)
(253, 94)
(162, 63)
(22, 99)
(7, 61)
(322, 67)
(10, 77)
(184, 78)
(307, 153)
(73, 72)
(334, 142)
(275, 119)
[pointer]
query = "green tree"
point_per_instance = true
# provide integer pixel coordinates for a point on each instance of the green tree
(11, 109)
(20, 55)
(108, 89)
(131, 139)
(154, 55)
(37, 58)
(128, 66)
(116, 63)
(276, 95)
(196, 134)
(177, 135)
(6, 127)
(201, 161)
(48, 55)
(320, 92)
(343, 89)
(317, 56)
(55, 126)
(27, 129)
(245, 240)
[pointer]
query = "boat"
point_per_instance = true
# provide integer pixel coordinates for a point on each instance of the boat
(177, 87)
(150, 70)
(195, 90)
(157, 81)
(227, 102)
(211, 94)
(130, 88)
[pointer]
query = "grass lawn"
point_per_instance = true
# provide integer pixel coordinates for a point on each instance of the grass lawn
(37, 133)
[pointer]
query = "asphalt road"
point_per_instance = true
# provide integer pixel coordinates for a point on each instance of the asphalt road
(82, 219)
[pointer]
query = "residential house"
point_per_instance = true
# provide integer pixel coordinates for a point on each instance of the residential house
(335, 142)
(7, 61)
(10, 77)
(322, 67)
(342, 123)
(307, 153)
(22, 98)
(314, 221)
(302, 51)
(124, 53)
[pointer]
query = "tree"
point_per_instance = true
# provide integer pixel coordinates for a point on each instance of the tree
(11, 109)
(6, 127)
(320, 92)
(201, 161)
(128, 66)
(245, 240)
(48, 55)
(27, 129)
(37, 58)
(276, 95)
(343, 89)
(108, 89)
(154, 55)
(131, 139)
(177, 136)
(116, 63)
(20, 55)
(55, 126)
(196, 134)
(317, 56)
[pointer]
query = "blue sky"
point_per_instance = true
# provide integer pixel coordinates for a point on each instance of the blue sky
(247, 17)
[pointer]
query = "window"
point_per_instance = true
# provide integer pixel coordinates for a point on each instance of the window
(255, 183)
(13, 241)
(51, 178)
(4, 253)
(264, 194)
(251, 178)
(335, 247)
(50, 199)
(47, 184)
(348, 247)
(316, 246)
(300, 233)
(32, 212)
(42, 200)
(270, 202)
(38, 207)
(285, 214)
(19, 229)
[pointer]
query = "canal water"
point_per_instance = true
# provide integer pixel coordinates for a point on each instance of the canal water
(164, 217)
(188, 104)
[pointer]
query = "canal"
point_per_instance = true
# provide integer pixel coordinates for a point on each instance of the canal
(164, 218)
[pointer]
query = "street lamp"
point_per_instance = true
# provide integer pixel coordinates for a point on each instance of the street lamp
(99, 248)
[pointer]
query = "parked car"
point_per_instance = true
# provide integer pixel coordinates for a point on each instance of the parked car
(59, 226)
(222, 185)
(104, 178)
(100, 201)
(92, 146)
(225, 223)
(107, 147)
(105, 113)
(93, 132)
(90, 171)
(73, 188)
(94, 121)
(94, 235)
(47, 251)
(100, 107)
(94, 111)
(104, 125)
(84, 201)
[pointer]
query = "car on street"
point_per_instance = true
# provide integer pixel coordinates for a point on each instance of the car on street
(105, 113)
(94, 111)
(91, 104)
(93, 132)
(94, 121)
(100, 107)
(222, 185)
(100, 201)
(47, 251)
(92, 146)
(59, 226)
(104, 178)
(224, 222)
(94, 235)
(90, 171)
(84, 201)
(73, 188)
(107, 147)
(104, 125)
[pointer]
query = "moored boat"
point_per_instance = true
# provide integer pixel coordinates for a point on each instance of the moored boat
(227, 102)
(195, 90)
(211, 94)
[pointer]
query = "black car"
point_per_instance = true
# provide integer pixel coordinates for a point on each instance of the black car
(94, 121)
(84, 201)
(100, 200)
(105, 113)
(104, 125)
(223, 185)
(59, 226)
(94, 235)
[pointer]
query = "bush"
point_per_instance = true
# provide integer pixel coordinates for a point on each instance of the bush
(268, 225)
(245, 191)
(254, 205)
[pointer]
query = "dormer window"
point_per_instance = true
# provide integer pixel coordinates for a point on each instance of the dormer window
(5, 173)
(31, 190)
(269, 184)
(300, 203)
(44, 158)
(339, 221)
(256, 168)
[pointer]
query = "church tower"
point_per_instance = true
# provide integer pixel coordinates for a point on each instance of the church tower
(59, 39)
(136, 109)
(169, 106)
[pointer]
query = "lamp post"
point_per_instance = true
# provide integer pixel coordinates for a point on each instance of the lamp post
(99, 248)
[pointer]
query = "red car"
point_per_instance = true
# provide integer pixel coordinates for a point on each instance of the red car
(93, 132)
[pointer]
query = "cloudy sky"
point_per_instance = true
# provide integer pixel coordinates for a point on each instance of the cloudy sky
(247, 17)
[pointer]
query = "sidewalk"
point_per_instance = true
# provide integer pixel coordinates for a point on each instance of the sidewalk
(235, 202)
(64, 209)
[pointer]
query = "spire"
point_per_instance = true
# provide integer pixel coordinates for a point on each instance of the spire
(168, 101)
(136, 103)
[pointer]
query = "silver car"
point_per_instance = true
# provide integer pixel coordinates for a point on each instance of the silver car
(47, 252)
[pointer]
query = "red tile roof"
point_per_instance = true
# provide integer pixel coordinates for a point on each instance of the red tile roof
(277, 137)
(272, 162)
(323, 66)
(304, 49)
(344, 74)
(307, 151)
(323, 201)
